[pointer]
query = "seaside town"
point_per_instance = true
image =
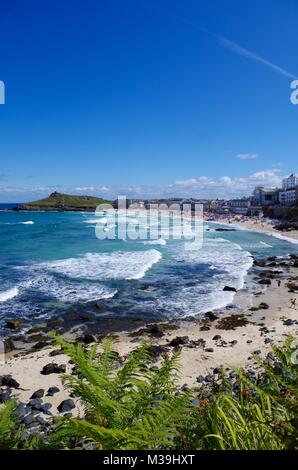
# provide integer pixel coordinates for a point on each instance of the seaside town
(148, 232)
(278, 198)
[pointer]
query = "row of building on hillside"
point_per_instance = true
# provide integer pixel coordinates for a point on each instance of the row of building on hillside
(285, 196)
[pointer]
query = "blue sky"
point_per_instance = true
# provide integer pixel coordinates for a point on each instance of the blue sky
(146, 98)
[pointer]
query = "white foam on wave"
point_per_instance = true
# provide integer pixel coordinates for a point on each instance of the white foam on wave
(104, 266)
(27, 222)
(266, 245)
(283, 237)
(9, 294)
(67, 291)
(228, 264)
(223, 255)
(261, 232)
(159, 241)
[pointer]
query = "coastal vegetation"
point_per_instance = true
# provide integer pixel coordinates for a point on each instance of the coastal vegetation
(63, 202)
(136, 405)
(287, 216)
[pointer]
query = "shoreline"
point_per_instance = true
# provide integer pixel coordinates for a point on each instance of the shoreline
(251, 226)
(261, 313)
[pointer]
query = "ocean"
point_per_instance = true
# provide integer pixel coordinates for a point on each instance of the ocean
(52, 263)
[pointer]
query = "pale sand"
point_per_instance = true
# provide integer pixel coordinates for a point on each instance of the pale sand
(266, 227)
(26, 368)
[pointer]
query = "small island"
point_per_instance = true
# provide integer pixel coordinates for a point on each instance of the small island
(63, 202)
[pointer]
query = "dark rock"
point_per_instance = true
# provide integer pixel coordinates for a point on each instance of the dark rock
(144, 286)
(211, 350)
(229, 289)
(38, 394)
(234, 342)
(263, 306)
(53, 368)
(200, 379)
(87, 339)
(179, 340)
(66, 406)
(205, 328)
(231, 322)
(99, 307)
(8, 381)
(289, 322)
(8, 345)
(261, 263)
(45, 408)
(55, 352)
(21, 410)
(155, 330)
(216, 370)
(87, 316)
(156, 351)
(216, 337)
(208, 378)
(265, 282)
(5, 395)
(201, 343)
(15, 324)
(36, 337)
(41, 421)
(35, 403)
(29, 419)
(41, 345)
(52, 391)
(211, 316)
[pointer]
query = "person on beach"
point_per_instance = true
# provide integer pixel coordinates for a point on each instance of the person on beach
(293, 303)
(279, 283)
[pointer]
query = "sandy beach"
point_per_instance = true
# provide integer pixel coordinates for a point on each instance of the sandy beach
(254, 225)
(226, 338)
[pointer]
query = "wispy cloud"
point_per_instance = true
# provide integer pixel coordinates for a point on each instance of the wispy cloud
(237, 49)
(247, 156)
(4, 176)
(199, 187)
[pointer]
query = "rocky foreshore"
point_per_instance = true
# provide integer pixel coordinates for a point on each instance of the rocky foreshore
(264, 311)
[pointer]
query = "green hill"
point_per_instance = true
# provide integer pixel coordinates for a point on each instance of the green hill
(63, 202)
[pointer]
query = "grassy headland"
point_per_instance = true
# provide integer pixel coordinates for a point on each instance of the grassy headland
(63, 202)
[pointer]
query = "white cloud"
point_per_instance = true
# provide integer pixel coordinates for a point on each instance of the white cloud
(247, 156)
(199, 187)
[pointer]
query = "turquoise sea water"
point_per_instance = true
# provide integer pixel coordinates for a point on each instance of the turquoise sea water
(53, 262)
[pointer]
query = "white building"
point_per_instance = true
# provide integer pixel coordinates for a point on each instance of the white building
(288, 197)
(290, 183)
(239, 206)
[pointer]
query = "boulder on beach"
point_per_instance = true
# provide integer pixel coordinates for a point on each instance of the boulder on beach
(229, 289)
(9, 381)
(179, 341)
(53, 368)
(66, 406)
(15, 324)
(52, 390)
